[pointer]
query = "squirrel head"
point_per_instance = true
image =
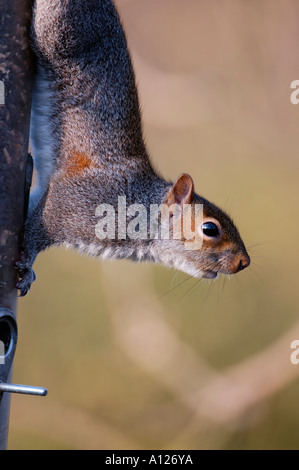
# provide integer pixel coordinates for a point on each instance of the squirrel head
(218, 248)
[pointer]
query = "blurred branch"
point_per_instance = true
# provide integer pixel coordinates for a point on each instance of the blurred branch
(224, 397)
(250, 382)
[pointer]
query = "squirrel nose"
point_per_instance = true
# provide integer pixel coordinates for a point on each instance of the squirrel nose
(244, 262)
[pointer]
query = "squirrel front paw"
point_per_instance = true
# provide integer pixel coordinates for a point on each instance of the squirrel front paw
(26, 275)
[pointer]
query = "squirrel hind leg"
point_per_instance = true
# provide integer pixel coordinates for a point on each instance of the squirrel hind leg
(36, 239)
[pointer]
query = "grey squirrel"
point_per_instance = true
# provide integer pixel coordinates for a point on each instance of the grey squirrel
(88, 145)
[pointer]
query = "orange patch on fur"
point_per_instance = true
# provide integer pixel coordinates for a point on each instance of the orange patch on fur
(77, 163)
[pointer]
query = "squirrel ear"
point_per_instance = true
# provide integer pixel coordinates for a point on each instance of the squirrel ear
(182, 191)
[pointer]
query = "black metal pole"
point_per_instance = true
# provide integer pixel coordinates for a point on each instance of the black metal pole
(15, 103)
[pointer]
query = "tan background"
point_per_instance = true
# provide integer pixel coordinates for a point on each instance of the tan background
(130, 364)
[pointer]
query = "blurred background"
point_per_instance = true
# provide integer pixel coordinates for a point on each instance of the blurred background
(137, 356)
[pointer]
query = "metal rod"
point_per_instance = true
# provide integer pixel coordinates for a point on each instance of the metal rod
(15, 101)
(23, 389)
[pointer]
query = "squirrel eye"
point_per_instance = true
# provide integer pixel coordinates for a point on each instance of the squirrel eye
(210, 230)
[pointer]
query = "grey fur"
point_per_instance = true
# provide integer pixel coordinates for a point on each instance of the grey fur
(86, 102)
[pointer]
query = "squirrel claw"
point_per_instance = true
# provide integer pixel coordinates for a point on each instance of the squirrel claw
(27, 276)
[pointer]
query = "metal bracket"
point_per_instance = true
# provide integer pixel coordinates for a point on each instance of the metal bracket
(8, 343)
